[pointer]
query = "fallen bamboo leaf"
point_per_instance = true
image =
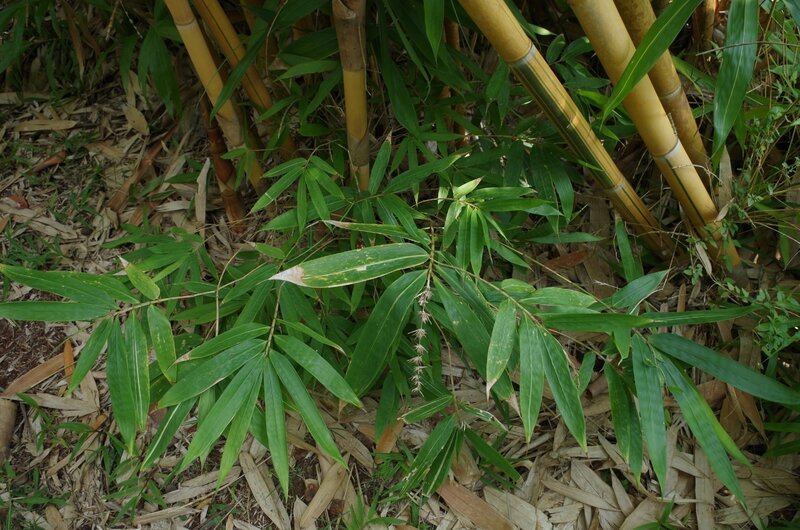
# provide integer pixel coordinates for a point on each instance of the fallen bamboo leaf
(45, 125)
(331, 483)
(265, 493)
(472, 507)
(35, 375)
(8, 415)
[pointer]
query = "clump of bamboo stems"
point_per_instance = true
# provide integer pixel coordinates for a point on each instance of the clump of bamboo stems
(208, 72)
(228, 41)
(638, 16)
(231, 199)
(607, 33)
(348, 19)
(496, 21)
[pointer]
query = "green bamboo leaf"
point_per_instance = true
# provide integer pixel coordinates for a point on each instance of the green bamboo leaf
(169, 425)
(226, 339)
(227, 406)
(305, 405)
(627, 428)
(275, 421)
(501, 344)
(406, 180)
(354, 266)
(631, 266)
(313, 178)
(397, 89)
(736, 70)
(142, 282)
(120, 385)
(241, 423)
(653, 45)
(472, 335)
(531, 377)
(394, 231)
(651, 405)
(562, 384)
(433, 447)
(69, 285)
(491, 455)
(725, 369)
(210, 372)
(318, 367)
(434, 23)
(89, 353)
(635, 292)
(705, 426)
(558, 296)
(597, 322)
(291, 171)
(163, 342)
(442, 463)
(307, 331)
(476, 240)
(382, 329)
(51, 311)
(137, 367)
(428, 409)
(696, 317)
(793, 7)
(378, 171)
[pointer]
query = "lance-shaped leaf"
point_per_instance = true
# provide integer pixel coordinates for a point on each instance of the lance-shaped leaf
(137, 367)
(226, 339)
(275, 422)
(318, 367)
(736, 70)
(142, 282)
(501, 344)
(627, 428)
(653, 45)
(696, 317)
(241, 422)
(651, 405)
(51, 311)
(383, 327)
(120, 385)
(305, 405)
(169, 425)
(227, 406)
(562, 384)
(354, 266)
(163, 342)
(725, 369)
(636, 291)
(712, 437)
(75, 286)
(210, 372)
(89, 354)
(531, 377)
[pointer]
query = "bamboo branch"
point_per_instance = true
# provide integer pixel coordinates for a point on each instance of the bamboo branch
(348, 19)
(496, 21)
(638, 16)
(606, 31)
(228, 41)
(207, 71)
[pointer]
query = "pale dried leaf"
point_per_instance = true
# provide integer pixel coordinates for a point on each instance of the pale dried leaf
(472, 507)
(264, 492)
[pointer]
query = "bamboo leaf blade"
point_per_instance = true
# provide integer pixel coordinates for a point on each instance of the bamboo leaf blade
(531, 377)
(318, 367)
(275, 421)
(501, 344)
(163, 342)
(73, 286)
(89, 353)
(651, 406)
(227, 406)
(736, 70)
(657, 40)
(354, 266)
(305, 405)
(559, 376)
(51, 311)
(385, 324)
(725, 369)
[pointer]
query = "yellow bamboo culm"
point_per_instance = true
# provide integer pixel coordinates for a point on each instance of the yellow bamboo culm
(348, 19)
(609, 37)
(496, 21)
(231, 46)
(638, 16)
(207, 70)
